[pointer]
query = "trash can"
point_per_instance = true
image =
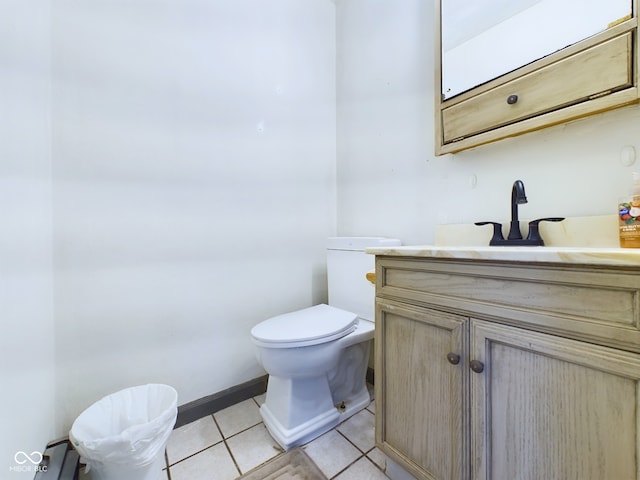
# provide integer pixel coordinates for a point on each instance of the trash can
(123, 436)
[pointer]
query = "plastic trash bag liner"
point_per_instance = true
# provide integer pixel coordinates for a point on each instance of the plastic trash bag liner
(128, 427)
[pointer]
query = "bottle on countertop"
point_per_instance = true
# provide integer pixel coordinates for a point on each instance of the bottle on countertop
(629, 216)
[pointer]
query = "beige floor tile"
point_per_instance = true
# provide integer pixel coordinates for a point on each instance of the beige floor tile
(363, 469)
(379, 458)
(192, 438)
(238, 417)
(331, 452)
(213, 463)
(253, 447)
(359, 429)
(196, 451)
(372, 407)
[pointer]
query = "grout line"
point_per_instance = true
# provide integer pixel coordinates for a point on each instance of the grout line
(191, 455)
(364, 454)
(233, 459)
(280, 452)
(199, 451)
(347, 439)
(225, 437)
(166, 462)
(348, 466)
(222, 435)
(224, 440)
(241, 431)
(376, 465)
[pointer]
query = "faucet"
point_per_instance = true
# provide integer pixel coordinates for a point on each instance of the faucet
(514, 239)
(518, 197)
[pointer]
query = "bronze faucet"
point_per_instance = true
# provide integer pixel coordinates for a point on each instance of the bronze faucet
(514, 239)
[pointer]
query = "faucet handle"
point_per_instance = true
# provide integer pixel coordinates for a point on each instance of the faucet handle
(534, 229)
(497, 232)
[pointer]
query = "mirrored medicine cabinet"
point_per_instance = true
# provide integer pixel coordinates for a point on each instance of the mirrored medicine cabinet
(508, 67)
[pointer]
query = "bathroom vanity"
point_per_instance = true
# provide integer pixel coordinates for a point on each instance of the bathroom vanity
(509, 362)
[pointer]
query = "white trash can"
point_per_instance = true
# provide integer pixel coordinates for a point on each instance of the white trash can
(123, 436)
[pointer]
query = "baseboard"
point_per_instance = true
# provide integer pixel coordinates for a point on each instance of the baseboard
(192, 411)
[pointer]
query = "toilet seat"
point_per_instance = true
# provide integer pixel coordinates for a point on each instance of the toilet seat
(310, 326)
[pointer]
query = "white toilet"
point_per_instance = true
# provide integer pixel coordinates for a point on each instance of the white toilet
(317, 357)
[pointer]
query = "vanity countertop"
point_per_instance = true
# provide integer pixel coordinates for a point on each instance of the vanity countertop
(577, 255)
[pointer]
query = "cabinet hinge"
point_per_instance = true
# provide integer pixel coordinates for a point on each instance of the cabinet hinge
(456, 139)
(601, 94)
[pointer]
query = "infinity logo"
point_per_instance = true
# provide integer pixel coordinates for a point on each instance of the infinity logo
(35, 457)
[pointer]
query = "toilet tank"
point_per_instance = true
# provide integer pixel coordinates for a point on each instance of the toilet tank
(347, 265)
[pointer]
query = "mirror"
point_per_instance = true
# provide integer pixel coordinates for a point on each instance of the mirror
(508, 67)
(484, 39)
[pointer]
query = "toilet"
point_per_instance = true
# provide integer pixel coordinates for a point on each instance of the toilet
(317, 357)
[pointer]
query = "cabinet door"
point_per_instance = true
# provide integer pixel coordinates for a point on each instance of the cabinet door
(546, 407)
(421, 403)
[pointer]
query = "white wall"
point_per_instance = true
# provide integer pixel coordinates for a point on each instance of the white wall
(26, 346)
(388, 177)
(167, 176)
(194, 173)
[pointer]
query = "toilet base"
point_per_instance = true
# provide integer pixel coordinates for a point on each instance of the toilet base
(288, 438)
(354, 404)
(317, 420)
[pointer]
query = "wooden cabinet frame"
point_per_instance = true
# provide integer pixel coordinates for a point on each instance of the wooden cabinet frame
(554, 407)
(414, 345)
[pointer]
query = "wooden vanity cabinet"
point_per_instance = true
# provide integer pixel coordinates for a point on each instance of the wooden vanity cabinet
(500, 382)
(421, 399)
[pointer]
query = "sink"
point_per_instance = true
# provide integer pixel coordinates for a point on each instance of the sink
(587, 240)
(578, 255)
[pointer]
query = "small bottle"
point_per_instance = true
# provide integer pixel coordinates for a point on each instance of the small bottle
(629, 216)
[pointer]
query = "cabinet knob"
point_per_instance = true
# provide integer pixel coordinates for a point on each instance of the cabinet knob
(454, 358)
(512, 99)
(476, 366)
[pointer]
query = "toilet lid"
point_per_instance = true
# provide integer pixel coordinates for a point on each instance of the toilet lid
(310, 326)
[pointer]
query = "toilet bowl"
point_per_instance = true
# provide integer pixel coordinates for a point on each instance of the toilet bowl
(317, 357)
(301, 403)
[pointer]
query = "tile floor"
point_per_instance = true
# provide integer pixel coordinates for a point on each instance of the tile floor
(227, 444)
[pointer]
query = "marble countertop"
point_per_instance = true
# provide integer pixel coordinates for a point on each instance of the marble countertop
(582, 255)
